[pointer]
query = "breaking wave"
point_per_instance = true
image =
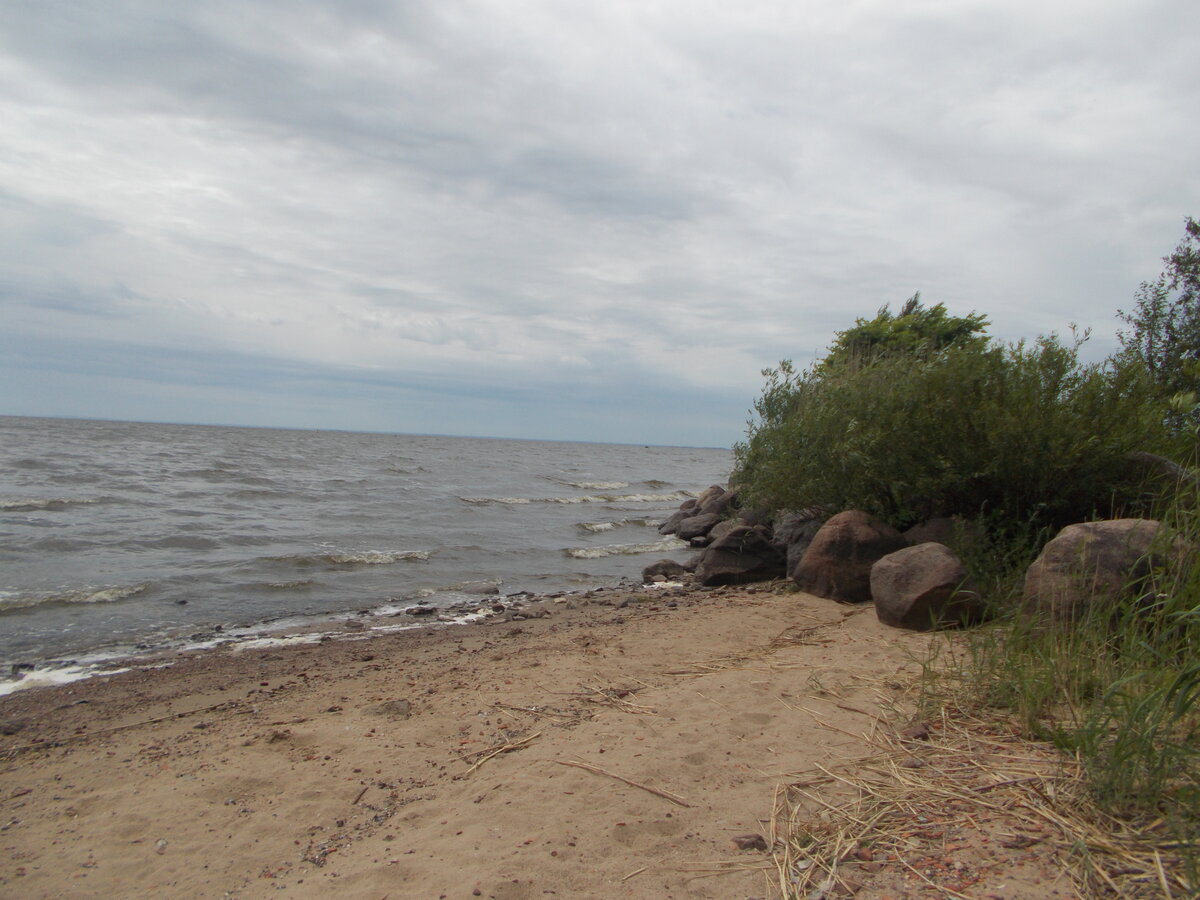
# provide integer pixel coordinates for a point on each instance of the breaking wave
(87, 595)
(589, 498)
(53, 504)
(355, 557)
(597, 485)
(598, 527)
(663, 546)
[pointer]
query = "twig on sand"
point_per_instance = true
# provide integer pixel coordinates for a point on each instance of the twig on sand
(635, 872)
(485, 755)
(535, 711)
(667, 795)
(616, 697)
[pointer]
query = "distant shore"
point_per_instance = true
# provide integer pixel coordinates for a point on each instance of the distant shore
(614, 745)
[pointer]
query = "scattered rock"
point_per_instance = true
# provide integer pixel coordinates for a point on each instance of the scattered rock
(924, 587)
(420, 611)
(837, 564)
(667, 569)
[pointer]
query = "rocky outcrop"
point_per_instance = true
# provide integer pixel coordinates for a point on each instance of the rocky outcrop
(1092, 563)
(924, 587)
(741, 555)
(837, 564)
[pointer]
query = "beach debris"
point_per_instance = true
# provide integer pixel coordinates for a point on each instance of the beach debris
(750, 842)
(490, 752)
(588, 767)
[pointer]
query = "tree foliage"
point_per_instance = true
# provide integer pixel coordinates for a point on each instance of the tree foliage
(917, 330)
(976, 428)
(1164, 329)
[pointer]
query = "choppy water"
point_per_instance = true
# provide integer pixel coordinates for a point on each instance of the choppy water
(114, 534)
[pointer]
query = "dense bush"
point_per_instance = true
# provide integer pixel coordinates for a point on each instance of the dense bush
(1024, 433)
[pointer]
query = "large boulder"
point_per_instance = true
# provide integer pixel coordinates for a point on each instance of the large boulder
(720, 504)
(923, 587)
(794, 531)
(712, 492)
(837, 564)
(671, 525)
(696, 526)
(741, 555)
(1092, 563)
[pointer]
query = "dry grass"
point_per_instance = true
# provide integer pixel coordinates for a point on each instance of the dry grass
(929, 805)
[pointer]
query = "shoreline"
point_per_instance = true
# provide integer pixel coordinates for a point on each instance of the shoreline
(362, 624)
(615, 746)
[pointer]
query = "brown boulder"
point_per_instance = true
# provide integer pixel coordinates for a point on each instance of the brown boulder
(720, 504)
(711, 492)
(696, 526)
(742, 555)
(923, 587)
(837, 564)
(1092, 563)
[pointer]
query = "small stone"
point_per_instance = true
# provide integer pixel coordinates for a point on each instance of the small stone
(918, 732)
(750, 842)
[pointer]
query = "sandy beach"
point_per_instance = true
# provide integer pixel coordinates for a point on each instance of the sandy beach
(612, 744)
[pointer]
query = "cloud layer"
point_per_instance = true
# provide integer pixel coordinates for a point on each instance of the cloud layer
(567, 220)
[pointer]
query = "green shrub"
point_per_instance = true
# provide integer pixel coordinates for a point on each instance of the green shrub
(1015, 433)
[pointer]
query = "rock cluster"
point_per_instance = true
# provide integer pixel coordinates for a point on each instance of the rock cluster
(914, 579)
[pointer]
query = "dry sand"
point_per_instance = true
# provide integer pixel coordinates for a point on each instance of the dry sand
(640, 740)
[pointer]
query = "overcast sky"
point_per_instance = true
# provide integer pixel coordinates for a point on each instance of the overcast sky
(577, 220)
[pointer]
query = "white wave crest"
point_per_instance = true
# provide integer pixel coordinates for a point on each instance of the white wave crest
(598, 485)
(663, 546)
(10, 601)
(374, 557)
(32, 504)
(598, 527)
(588, 498)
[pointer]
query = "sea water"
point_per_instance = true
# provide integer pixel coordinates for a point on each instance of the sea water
(117, 536)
